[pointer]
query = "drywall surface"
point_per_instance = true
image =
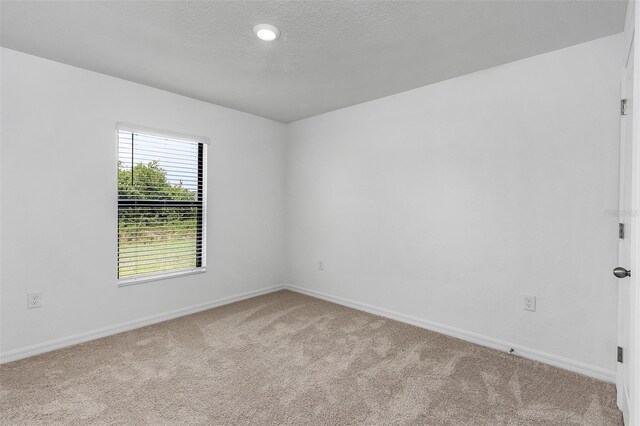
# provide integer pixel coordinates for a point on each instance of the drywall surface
(450, 202)
(59, 201)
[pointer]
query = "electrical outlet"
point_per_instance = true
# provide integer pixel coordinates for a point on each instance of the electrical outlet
(321, 265)
(34, 300)
(529, 303)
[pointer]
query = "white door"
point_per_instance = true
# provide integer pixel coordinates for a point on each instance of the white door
(628, 377)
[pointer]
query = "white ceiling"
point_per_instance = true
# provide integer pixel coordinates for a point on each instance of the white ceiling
(331, 54)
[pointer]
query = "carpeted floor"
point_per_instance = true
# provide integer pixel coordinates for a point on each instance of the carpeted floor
(290, 359)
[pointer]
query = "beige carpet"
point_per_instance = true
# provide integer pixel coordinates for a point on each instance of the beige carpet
(285, 358)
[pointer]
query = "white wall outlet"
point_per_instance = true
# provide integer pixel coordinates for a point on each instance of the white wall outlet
(529, 303)
(34, 300)
(320, 265)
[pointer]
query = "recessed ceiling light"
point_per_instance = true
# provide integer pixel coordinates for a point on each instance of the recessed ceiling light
(266, 32)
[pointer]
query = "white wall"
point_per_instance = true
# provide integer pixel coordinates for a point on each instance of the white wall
(444, 204)
(450, 202)
(59, 201)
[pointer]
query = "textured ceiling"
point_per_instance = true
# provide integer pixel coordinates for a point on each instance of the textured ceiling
(331, 54)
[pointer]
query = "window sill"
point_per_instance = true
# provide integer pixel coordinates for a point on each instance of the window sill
(133, 281)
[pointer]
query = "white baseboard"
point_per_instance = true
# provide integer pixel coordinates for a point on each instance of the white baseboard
(556, 361)
(51, 345)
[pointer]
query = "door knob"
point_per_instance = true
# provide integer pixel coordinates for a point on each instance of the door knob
(620, 272)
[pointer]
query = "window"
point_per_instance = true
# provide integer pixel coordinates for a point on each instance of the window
(161, 205)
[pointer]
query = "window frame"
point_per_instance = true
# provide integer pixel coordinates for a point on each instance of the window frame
(201, 200)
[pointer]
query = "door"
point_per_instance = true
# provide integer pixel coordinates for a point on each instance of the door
(628, 374)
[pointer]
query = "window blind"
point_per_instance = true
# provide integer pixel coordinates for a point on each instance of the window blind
(161, 205)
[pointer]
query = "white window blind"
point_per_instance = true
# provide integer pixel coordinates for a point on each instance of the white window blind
(161, 205)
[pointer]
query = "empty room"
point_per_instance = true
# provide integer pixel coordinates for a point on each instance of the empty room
(319, 212)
